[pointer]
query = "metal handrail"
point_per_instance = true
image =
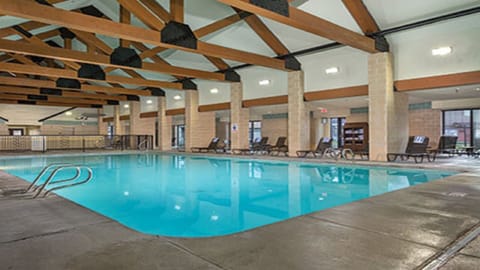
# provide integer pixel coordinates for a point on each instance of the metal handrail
(44, 170)
(90, 176)
(144, 142)
(52, 175)
(77, 174)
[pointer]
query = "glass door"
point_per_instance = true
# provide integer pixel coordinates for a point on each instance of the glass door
(336, 131)
(458, 123)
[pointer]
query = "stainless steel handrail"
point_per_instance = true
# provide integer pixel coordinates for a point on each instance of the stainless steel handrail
(144, 142)
(52, 175)
(44, 170)
(90, 176)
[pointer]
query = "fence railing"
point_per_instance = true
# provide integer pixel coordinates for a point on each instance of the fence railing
(65, 142)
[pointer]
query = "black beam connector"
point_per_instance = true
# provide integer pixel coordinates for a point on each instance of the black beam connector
(97, 106)
(133, 98)
(188, 84)
(65, 33)
(179, 34)
(278, 6)
(92, 11)
(381, 44)
(157, 92)
(232, 76)
(51, 91)
(126, 57)
(68, 83)
(243, 14)
(113, 102)
(43, 2)
(89, 71)
(292, 63)
(26, 102)
(37, 97)
(56, 114)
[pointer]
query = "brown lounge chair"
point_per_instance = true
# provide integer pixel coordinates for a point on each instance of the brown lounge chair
(257, 146)
(323, 144)
(416, 149)
(446, 145)
(279, 147)
(211, 147)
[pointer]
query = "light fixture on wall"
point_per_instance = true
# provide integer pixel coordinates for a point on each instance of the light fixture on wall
(264, 82)
(441, 51)
(149, 101)
(126, 106)
(324, 120)
(68, 113)
(332, 70)
(177, 97)
(214, 90)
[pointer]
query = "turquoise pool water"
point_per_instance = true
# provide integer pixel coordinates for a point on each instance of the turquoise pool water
(188, 196)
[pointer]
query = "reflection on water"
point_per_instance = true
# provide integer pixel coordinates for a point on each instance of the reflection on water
(195, 197)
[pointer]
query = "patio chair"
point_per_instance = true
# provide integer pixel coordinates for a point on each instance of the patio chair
(213, 146)
(446, 145)
(279, 147)
(416, 149)
(323, 144)
(260, 147)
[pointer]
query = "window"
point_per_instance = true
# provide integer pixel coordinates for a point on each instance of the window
(15, 131)
(465, 124)
(336, 131)
(254, 130)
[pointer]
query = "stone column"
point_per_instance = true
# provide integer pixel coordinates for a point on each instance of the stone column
(134, 118)
(164, 134)
(239, 118)
(298, 116)
(102, 126)
(199, 127)
(388, 111)
(116, 120)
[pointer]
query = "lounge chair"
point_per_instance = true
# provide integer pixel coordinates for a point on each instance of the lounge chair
(279, 147)
(446, 145)
(260, 147)
(416, 149)
(323, 144)
(213, 146)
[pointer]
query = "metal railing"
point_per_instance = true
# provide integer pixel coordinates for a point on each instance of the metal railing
(73, 142)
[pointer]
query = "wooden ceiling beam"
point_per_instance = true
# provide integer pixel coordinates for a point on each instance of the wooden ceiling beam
(142, 13)
(177, 10)
(125, 17)
(26, 82)
(55, 99)
(104, 60)
(44, 103)
(310, 23)
(157, 9)
(362, 16)
(28, 10)
(65, 93)
(266, 35)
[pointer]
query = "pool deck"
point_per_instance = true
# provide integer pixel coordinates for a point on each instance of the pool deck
(405, 229)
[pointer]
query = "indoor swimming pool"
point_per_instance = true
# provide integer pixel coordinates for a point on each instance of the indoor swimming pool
(194, 196)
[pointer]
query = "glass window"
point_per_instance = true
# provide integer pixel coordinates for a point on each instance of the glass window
(458, 123)
(336, 131)
(254, 131)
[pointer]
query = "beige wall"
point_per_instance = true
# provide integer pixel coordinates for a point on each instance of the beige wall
(3, 129)
(274, 128)
(357, 118)
(221, 129)
(426, 122)
(68, 130)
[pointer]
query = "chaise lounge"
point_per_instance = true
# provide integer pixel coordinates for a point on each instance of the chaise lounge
(279, 147)
(323, 144)
(213, 146)
(416, 149)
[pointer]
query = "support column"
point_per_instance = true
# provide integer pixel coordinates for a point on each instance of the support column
(298, 116)
(388, 110)
(199, 127)
(135, 118)
(102, 126)
(116, 120)
(239, 118)
(164, 134)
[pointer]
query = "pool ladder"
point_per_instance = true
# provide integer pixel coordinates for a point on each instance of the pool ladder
(57, 167)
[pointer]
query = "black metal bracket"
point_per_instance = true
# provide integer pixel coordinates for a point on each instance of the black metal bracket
(65, 33)
(157, 92)
(97, 106)
(92, 11)
(133, 98)
(381, 44)
(113, 102)
(68, 83)
(278, 6)
(51, 91)
(37, 97)
(43, 2)
(232, 76)
(26, 102)
(89, 71)
(188, 84)
(126, 57)
(178, 34)
(292, 63)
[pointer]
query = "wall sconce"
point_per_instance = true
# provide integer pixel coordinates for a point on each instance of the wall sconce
(324, 120)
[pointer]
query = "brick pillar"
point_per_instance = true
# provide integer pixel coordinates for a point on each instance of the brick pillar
(239, 117)
(116, 120)
(199, 127)
(388, 111)
(135, 118)
(298, 116)
(102, 126)
(164, 126)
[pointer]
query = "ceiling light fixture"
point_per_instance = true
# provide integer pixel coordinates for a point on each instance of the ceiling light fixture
(126, 106)
(331, 70)
(264, 82)
(477, 89)
(214, 90)
(177, 97)
(68, 113)
(149, 101)
(441, 51)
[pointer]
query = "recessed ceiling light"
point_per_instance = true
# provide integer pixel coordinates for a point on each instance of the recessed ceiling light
(214, 90)
(477, 89)
(264, 82)
(331, 70)
(441, 51)
(126, 106)
(177, 97)
(149, 101)
(68, 113)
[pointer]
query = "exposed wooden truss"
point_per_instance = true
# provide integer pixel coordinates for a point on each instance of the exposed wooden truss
(66, 93)
(362, 16)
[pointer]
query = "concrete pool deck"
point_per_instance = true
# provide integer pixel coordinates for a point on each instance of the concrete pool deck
(405, 229)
